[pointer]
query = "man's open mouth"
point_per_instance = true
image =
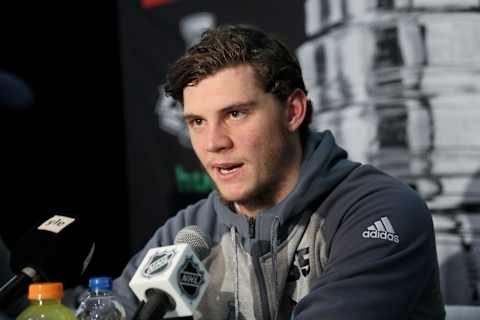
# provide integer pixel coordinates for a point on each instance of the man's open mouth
(226, 169)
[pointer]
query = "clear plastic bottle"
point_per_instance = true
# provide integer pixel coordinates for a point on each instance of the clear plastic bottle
(45, 303)
(100, 304)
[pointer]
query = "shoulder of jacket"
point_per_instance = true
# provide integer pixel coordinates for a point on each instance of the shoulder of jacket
(369, 194)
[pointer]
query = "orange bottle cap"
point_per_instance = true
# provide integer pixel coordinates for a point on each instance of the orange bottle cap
(45, 291)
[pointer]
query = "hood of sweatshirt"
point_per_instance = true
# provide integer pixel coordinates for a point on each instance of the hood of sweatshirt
(323, 167)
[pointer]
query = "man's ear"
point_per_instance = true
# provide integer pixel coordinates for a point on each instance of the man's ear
(296, 108)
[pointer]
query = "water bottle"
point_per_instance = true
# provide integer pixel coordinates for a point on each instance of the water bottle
(100, 303)
(45, 303)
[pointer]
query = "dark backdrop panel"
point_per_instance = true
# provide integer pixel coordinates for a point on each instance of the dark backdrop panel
(65, 153)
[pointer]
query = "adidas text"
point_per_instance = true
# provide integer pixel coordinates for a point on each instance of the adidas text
(374, 234)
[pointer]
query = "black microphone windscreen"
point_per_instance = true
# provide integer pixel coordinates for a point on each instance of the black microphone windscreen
(59, 249)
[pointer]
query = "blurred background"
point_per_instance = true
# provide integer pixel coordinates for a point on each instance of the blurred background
(62, 122)
(397, 81)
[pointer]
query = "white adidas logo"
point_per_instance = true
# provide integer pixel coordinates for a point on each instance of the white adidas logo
(381, 229)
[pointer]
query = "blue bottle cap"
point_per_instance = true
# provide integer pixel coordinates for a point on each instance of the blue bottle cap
(100, 284)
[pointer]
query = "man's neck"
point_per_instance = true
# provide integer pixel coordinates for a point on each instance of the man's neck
(243, 210)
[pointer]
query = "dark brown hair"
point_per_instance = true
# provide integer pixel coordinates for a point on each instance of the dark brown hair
(276, 67)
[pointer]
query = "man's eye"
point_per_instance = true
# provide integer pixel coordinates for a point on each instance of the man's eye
(237, 114)
(196, 123)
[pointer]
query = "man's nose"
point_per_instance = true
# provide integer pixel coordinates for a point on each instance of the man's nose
(218, 139)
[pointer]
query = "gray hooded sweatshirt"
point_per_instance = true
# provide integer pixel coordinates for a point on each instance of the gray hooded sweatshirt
(349, 242)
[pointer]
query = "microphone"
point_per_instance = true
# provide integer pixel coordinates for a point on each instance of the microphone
(53, 251)
(171, 280)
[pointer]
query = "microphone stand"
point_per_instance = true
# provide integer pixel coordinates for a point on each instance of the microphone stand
(158, 303)
(16, 287)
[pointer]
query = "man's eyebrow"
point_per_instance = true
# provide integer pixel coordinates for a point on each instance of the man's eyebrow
(190, 116)
(234, 106)
(240, 105)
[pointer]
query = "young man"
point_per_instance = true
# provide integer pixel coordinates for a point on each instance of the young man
(297, 229)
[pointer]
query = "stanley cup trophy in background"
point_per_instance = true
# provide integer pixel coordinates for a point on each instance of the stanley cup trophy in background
(398, 83)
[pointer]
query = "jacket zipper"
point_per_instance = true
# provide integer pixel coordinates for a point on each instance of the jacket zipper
(251, 227)
(264, 304)
(258, 271)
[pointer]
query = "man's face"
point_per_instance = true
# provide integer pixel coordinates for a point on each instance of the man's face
(241, 136)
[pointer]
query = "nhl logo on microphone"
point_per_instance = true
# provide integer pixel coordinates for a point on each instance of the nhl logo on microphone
(177, 271)
(158, 262)
(190, 278)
